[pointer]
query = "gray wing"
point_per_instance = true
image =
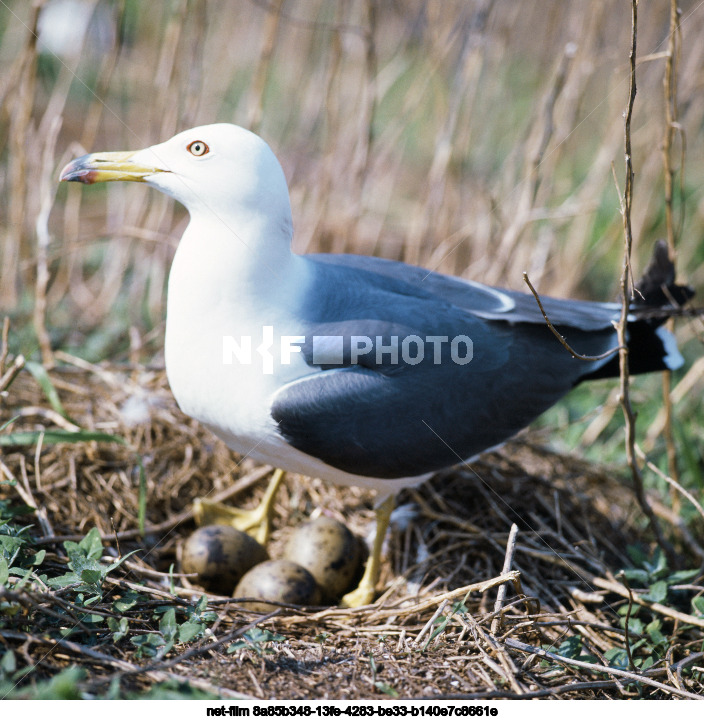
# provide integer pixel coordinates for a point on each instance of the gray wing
(374, 417)
(481, 300)
(422, 418)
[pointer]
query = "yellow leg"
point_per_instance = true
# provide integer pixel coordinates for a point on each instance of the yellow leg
(364, 593)
(257, 522)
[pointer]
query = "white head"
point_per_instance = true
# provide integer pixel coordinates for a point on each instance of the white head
(222, 170)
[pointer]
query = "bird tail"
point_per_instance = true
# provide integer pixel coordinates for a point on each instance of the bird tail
(657, 290)
(651, 347)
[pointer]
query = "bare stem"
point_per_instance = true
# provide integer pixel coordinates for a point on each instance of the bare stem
(671, 127)
(559, 336)
(508, 562)
(626, 293)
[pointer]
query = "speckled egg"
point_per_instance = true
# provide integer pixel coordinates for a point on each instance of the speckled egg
(220, 555)
(280, 581)
(330, 551)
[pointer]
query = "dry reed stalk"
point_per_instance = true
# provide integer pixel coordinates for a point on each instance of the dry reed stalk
(428, 41)
(671, 128)
(674, 484)
(464, 74)
(256, 97)
(363, 140)
(626, 201)
(535, 150)
(602, 669)
(4, 347)
(686, 387)
(46, 191)
(21, 96)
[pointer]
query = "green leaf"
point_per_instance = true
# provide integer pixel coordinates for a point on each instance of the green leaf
(649, 661)
(239, 645)
(617, 658)
(202, 604)
(119, 561)
(4, 571)
(657, 592)
(637, 555)
(8, 663)
(655, 634)
(8, 423)
(142, 496)
(63, 686)
(119, 628)
(42, 378)
(570, 647)
(635, 625)
(67, 579)
(638, 644)
(682, 576)
(91, 544)
(698, 605)
(255, 638)
(9, 511)
(22, 582)
(79, 563)
(189, 630)
(262, 635)
(658, 565)
(169, 630)
(128, 600)
(113, 693)
(38, 558)
(167, 625)
(385, 688)
(91, 576)
(148, 644)
(11, 545)
(440, 625)
(636, 576)
(31, 438)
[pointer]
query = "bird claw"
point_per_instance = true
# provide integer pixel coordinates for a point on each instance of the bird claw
(363, 595)
(255, 522)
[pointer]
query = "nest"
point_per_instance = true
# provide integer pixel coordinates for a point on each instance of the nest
(469, 608)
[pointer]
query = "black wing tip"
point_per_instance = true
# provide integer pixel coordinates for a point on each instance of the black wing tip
(657, 287)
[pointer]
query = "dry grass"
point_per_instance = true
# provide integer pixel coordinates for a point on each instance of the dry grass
(473, 138)
(435, 631)
(439, 133)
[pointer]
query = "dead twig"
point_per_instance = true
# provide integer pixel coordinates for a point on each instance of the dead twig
(508, 561)
(560, 337)
(598, 668)
(11, 373)
(672, 126)
(626, 283)
(671, 481)
(627, 620)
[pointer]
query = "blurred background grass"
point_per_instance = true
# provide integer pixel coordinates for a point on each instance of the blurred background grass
(475, 137)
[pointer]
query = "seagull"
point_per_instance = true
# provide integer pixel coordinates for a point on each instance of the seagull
(357, 370)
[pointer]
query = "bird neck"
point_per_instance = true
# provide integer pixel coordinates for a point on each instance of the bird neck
(242, 266)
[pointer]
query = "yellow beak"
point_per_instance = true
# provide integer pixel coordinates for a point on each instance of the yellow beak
(104, 167)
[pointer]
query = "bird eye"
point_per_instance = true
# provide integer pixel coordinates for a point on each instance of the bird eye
(198, 148)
